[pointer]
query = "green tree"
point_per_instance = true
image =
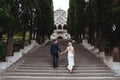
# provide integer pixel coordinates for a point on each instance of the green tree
(116, 31)
(44, 19)
(71, 17)
(6, 13)
(76, 18)
(3, 17)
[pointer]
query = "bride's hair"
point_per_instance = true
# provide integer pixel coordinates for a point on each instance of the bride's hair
(69, 43)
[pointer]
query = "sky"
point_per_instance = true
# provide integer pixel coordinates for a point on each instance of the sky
(62, 4)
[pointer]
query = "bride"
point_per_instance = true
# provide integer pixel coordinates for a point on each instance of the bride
(71, 54)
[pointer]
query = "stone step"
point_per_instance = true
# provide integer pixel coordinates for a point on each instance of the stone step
(76, 68)
(61, 56)
(48, 53)
(53, 69)
(83, 60)
(81, 63)
(39, 65)
(58, 71)
(63, 60)
(63, 63)
(57, 78)
(60, 67)
(61, 71)
(59, 74)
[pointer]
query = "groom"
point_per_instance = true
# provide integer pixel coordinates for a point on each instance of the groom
(54, 52)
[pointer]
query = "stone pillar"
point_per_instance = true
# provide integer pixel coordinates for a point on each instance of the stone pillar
(84, 41)
(62, 27)
(116, 54)
(56, 27)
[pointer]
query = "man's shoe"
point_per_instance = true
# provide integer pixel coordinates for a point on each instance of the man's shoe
(54, 66)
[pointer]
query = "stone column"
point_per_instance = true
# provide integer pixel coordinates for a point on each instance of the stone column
(62, 27)
(56, 27)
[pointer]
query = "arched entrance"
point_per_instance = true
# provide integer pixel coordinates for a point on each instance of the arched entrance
(59, 37)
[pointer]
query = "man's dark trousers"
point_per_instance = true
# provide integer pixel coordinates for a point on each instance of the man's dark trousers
(55, 60)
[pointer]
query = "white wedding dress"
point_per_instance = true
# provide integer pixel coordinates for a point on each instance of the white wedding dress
(70, 58)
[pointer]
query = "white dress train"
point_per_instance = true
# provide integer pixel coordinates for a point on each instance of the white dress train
(70, 59)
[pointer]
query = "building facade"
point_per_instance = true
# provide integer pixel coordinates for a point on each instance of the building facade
(60, 22)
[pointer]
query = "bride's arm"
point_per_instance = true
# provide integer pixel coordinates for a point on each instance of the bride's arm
(65, 51)
(73, 51)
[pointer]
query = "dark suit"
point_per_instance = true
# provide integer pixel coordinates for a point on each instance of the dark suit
(54, 52)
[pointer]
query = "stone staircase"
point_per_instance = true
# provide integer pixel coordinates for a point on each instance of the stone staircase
(37, 65)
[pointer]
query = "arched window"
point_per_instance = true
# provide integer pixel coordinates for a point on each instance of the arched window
(65, 27)
(59, 27)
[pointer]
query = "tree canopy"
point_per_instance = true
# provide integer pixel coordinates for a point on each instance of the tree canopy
(97, 20)
(33, 17)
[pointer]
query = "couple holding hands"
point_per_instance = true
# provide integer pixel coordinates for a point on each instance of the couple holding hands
(54, 49)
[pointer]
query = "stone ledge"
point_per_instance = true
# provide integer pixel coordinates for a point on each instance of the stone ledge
(4, 65)
(108, 60)
(17, 55)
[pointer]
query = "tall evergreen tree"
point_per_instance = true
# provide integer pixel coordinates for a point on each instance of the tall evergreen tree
(33, 16)
(76, 18)
(71, 17)
(44, 19)
(116, 19)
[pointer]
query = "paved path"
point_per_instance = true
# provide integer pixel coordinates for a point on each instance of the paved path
(37, 65)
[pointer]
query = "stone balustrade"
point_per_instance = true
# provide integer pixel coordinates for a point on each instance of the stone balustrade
(108, 60)
(17, 55)
(116, 68)
(84, 42)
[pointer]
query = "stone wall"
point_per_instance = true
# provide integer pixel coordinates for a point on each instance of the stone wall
(108, 60)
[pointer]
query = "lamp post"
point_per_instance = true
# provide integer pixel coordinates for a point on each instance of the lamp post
(114, 33)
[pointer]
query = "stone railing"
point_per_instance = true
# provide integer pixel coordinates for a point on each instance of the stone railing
(17, 55)
(108, 60)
